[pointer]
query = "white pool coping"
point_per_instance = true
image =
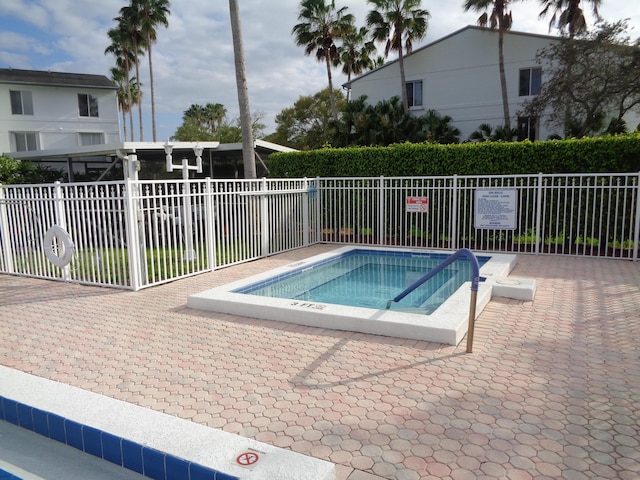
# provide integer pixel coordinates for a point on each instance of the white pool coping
(448, 324)
(206, 446)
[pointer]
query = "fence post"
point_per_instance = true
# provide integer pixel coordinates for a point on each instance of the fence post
(264, 218)
(208, 225)
(133, 235)
(318, 203)
(306, 198)
(5, 234)
(381, 210)
(454, 213)
(538, 229)
(636, 234)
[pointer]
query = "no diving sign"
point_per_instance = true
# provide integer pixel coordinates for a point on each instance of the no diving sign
(417, 204)
(248, 458)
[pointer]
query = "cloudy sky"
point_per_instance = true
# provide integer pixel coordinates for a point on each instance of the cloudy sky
(193, 58)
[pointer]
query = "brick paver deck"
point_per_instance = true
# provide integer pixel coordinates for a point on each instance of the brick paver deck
(552, 389)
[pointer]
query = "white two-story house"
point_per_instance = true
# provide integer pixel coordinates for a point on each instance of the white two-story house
(41, 110)
(458, 76)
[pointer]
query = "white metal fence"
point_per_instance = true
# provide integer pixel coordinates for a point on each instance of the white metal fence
(135, 234)
(588, 215)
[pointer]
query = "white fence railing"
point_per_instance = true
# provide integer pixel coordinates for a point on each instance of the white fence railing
(587, 215)
(135, 234)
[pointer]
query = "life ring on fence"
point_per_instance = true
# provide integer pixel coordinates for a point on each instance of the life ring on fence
(66, 249)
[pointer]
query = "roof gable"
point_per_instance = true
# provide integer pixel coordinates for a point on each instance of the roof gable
(471, 28)
(57, 79)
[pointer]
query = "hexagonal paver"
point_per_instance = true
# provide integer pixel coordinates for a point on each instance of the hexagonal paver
(551, 389)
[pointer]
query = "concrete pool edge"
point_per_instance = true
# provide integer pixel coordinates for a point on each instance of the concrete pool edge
(448, 324)
(160, 435)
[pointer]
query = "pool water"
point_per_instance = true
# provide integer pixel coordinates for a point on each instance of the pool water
(369, 279)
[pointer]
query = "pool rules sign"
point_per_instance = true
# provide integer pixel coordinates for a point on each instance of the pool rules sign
(495, 209)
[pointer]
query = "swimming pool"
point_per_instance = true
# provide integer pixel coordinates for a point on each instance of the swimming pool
(447, 323)
(370, 278)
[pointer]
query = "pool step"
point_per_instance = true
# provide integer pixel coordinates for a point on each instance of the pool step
(516, 288)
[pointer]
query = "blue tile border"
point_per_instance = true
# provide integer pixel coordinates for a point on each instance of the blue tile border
(4, 475)
(112, 448)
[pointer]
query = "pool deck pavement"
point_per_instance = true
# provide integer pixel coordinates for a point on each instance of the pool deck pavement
(551, 390)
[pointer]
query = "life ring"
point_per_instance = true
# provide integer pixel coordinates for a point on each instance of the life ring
(66, 249)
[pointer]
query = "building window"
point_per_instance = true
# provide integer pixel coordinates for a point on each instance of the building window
(21, 102)
(87, 105)
(527, 128)
(530, 81)
(90, 138)
(414, 93)
(25, 141)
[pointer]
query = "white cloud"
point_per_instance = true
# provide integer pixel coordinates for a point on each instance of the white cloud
(193, 58)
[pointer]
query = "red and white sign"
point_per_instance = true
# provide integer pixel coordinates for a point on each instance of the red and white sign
(417, 204)
(248, 458)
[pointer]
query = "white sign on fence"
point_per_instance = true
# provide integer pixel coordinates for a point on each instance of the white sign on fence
(496, 209)
(417, 204)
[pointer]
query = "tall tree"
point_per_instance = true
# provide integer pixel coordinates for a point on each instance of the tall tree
(127, 91)
(308, 123)
(209, 123)
(321, 26)
(119, 48)
(129, 23)
(496, 15)
(356, 53)
(122, 49)
(398, 23)
(600, 88)
(151, 14)
(248, 149)
(568, 14)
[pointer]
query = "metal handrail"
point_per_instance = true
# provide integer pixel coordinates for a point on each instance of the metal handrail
(475, 280)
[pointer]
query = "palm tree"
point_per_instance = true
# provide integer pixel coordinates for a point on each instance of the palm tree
(399, 23)
(119, 77)
(567, 13)
(321, 25)
(248, 148)
(129, 23)
(498, 18)
(151, 14)
(215, 113)
(356, 53)
(120, 48)
(438, 128)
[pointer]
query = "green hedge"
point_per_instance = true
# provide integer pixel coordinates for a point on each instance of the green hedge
(619, 154)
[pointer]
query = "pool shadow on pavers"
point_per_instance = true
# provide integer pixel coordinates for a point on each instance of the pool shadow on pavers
(304, 378)
(23, 291)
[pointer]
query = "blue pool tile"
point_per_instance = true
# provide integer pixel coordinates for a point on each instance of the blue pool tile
(177, 469)
(73, 431)
(25, 419)
(56, 428)
(91, 441)
(111, 448)
(10, 411)
(224, 476)
(40, 424)
(198, 472)
(4, 475)
(1, 408)
(132, 456)
(153, 463)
